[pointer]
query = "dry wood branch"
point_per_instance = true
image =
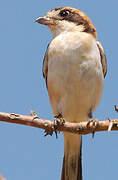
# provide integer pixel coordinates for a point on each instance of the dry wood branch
(35, 121)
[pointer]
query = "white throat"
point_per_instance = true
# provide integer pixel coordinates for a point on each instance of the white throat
(65, 26)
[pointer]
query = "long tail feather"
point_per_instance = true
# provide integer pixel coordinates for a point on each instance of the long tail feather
(72, 166)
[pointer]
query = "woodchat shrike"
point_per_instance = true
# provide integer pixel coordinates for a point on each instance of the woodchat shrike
(74, 68)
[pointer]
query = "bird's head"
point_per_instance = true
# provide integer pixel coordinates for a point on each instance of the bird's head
(67, 19)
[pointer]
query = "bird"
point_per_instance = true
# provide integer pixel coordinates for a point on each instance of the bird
(74, 68)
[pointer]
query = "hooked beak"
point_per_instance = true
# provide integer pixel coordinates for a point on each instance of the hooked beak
(45, 20)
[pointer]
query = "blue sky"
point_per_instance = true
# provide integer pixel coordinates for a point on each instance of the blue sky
(24, 152)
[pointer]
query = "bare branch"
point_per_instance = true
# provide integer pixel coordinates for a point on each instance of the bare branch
(47, 125)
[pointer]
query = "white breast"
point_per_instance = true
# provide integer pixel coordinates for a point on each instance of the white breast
(75, 78)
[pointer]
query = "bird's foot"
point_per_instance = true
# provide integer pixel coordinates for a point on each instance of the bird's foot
(58, 121)
(95, 123)
(48, 132)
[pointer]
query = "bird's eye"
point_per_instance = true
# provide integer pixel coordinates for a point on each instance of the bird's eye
(64, 13)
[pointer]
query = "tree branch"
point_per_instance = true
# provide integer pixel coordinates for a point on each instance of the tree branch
(80, 128)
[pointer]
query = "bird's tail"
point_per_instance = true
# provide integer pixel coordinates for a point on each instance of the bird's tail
(72, 167)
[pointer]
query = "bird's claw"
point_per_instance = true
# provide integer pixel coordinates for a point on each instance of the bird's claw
(47, 132)
(95, 123)
(58, 121)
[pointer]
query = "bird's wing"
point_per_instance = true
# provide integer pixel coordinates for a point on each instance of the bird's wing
(103, 58)
(45, 65)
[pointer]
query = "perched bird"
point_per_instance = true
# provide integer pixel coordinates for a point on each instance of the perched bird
(74, 68)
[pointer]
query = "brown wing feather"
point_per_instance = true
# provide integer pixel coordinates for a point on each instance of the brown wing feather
(103, 58)
(45, 65)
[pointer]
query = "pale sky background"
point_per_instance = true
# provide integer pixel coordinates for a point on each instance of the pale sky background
(24, 153)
